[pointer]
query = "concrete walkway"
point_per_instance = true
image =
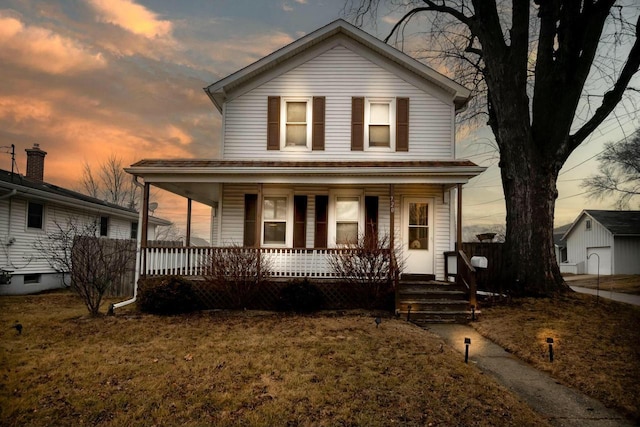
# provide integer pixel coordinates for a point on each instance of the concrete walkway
(561, 405)
(615, 296)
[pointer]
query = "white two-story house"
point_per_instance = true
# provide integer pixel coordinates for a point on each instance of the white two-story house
(331, 137)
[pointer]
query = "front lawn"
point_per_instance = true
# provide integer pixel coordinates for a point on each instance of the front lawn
(596, 343)
(235, 368)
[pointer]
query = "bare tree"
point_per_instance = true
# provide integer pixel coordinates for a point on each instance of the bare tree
(529, 64)
(169, 233)
(110, 183)
(619, 172)
(94, 263)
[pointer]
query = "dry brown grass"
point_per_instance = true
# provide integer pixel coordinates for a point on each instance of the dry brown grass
(234, 369)
(597, 344)
(625, 283)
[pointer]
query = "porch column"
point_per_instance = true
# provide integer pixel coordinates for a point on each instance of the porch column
(145, 215)
(145, 225)
(392, 209)
(188, 236)
(459, 219)
(258, 225)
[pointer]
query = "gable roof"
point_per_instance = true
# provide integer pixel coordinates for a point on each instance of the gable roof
(619, 223)
(218, 91)
(50, 192)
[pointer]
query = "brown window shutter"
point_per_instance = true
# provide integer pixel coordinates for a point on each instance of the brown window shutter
(273, 123)
(317, 136)
(371, 218)
(357, 124)
(322, 210)
(402, 124)
(250, 217)
(299, 221)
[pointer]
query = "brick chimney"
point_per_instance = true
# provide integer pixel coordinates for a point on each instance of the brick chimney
(35, 163)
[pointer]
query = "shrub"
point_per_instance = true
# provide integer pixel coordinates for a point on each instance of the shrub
(370, 267)
(237, 272)
(300, 296)
(166, 295)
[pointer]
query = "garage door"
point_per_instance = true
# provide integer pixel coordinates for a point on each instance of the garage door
(605, 260)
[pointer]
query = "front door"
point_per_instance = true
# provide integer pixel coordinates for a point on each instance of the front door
(417, 235)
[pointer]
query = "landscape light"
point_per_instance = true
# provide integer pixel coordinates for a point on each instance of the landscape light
(408, 312)
(550, 342)
(467, 342)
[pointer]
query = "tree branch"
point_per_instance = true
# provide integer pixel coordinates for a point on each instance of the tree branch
(431, 6)
(612, 97)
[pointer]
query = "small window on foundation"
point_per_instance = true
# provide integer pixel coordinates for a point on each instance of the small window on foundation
(31, 279)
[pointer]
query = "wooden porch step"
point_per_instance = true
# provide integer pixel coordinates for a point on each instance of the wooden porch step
(444, 305)
(407, 277)
(426, 317)
(432, 301)
(431, 292)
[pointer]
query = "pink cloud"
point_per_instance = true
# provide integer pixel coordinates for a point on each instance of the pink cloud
(43, 50)
(132, 17)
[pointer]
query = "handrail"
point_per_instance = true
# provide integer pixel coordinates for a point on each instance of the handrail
(465, 273)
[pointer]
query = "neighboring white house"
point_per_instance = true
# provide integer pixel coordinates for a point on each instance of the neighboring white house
(332, 137)
(31, 208)
(604, 240)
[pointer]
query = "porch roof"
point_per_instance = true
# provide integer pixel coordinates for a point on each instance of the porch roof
(186, 176)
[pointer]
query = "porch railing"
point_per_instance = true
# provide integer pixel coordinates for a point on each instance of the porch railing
(191, 261)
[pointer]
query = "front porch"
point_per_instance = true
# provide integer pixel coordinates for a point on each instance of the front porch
(419, 298)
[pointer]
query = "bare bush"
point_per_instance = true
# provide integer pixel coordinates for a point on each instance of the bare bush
(94, 263)
(370, 265)
(97, 265)
(237, 272)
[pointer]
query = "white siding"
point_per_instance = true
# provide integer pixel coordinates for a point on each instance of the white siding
(20, 256)
(233, 213)
(580, 239)
(626, 255)
(338, 74)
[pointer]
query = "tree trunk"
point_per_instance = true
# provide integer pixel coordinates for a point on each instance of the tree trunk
(529, 182)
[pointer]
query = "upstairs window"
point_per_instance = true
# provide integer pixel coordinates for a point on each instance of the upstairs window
(134, 230)
(295, 123)
(296, 118)
(379, 124)
(35, 215)
(378, 114)
(587, 224)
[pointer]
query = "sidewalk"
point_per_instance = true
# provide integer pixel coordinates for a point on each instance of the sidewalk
(561, 405)
(615, 296)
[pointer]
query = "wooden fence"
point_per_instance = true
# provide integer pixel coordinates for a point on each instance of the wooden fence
(488, 279)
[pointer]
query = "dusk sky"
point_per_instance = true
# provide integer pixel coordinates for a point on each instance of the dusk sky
(89, 78)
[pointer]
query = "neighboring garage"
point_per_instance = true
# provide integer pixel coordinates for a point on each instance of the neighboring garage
(601, 256)
(609, 240)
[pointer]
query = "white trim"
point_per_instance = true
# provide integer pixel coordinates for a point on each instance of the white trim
(331, 217)
(283, 122)
(288, 195)
(392, 123)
